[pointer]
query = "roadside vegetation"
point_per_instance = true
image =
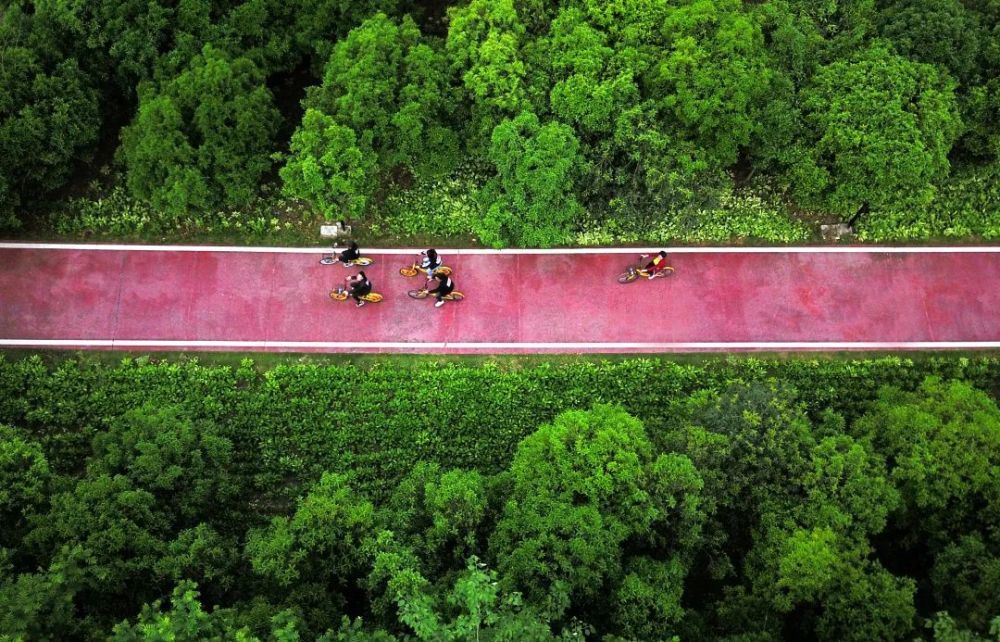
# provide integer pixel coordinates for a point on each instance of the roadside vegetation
(628, 500)
(501, 122)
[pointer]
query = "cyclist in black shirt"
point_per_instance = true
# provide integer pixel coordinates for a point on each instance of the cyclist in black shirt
(444, 287)
(359, 286)
(350, 254)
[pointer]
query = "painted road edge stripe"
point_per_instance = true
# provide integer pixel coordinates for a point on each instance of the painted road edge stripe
(746, 345)
(847, 249)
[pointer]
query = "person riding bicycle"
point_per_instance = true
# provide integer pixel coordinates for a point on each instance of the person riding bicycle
(352, 253)
(430, 262)
(358, 286)
(445, 286)
(656, 266)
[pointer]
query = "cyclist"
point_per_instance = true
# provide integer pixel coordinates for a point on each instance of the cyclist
(445, 286)
(657, 265)
(350, 254)
(430, 262)
(358, 286)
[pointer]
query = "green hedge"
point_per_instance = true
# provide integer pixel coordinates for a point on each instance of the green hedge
(292, 422)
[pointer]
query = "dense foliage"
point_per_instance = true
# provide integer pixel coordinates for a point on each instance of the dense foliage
(584, 120)
(201, 140)
(738, 499)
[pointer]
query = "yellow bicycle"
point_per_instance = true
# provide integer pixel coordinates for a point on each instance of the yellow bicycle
(639, 272)
(423, 293)
(415, 269)
(341, 294)
(330, 259)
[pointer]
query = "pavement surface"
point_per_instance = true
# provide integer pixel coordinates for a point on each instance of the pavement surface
(277, 300)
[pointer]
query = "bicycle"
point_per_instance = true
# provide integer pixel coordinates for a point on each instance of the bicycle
(341, 294)
(423, 293)
(415, 269)
(330, 259)
(639, 271)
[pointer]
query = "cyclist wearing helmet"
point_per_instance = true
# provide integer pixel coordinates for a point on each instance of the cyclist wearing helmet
(445, 286)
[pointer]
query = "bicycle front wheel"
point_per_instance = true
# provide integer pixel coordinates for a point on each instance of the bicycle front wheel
(408, 271)
(628, 277)
(328, 259)
(418, 294)
(338, 295)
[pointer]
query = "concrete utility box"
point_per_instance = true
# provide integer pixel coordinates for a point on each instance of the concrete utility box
(334, 230)
(835, 232)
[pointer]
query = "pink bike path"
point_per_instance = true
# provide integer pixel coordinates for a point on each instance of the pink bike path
(275, 300)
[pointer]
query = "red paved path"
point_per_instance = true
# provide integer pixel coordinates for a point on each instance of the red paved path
(271, 299)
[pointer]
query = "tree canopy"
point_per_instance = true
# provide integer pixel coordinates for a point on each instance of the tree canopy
(739, 500)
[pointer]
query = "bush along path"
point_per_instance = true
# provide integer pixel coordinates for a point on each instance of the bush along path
(277, 299)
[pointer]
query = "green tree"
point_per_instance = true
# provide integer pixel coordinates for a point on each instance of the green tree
(472, 607)
(868, 603)
(329, 167)
(944, 444)
(637, 164)
(648, 600)
(531, 201)
(392, 88)
(946, 630)
(153, 473)
(592, 86)
(861, 111)
(41, 606)
(630, 23)
(582, 487)
(439, 515)
(940, 32)
(966, 579)
(187, 621)
(843, 25)
(183, 462)
(24, 480)
(714, 76)
(126, 40)
(118, 527)
(811, 554)
(48, 112)
(321, 540)
(748, 441)
(484, 45)
(203, 555)
(982, 112)
(202, 139)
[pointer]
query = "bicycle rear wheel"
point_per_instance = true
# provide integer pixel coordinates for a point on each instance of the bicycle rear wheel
(363, 261)
(444, 270)
(665, 272)
(455, 296)
(372, 297)
(418, 294)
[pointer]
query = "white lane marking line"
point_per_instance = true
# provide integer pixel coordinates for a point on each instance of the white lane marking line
(751, 345)
(851, 249)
